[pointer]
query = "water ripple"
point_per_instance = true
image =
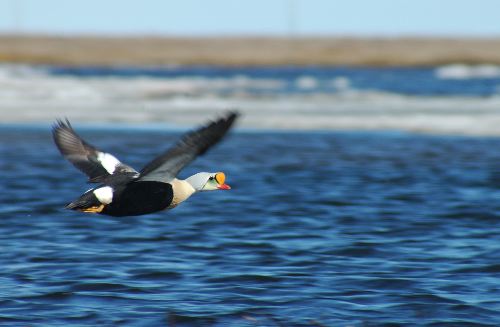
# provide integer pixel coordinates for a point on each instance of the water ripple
(339, 229)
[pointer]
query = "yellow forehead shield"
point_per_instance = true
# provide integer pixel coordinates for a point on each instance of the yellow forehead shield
(220, 178)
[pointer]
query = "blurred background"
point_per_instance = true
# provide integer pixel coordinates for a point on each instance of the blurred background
(288, 64)
(364, 169)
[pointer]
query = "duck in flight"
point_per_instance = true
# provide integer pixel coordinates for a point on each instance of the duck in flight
(123, 191)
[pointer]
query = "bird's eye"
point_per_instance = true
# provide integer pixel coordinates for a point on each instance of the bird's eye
(211, 178)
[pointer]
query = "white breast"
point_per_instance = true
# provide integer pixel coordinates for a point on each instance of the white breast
(182, 190)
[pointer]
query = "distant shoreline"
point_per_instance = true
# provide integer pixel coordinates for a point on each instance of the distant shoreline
(247, 51)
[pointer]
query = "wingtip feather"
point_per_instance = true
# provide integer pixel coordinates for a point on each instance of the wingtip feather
(191, 145)
(232, 115)
(61, 124)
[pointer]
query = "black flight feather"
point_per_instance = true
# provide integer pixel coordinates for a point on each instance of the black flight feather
(166, 166)
(83, 155)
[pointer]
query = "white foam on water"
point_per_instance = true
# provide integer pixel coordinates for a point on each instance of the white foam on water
(460, 71)
(341, 83)
(25, 83)
(306, 82)
(355, 111)
(29, 94)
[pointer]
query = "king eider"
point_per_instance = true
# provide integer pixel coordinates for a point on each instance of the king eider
(123, 191)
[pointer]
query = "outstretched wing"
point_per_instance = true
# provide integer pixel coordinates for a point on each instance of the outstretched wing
(166, 166)
(97, 165)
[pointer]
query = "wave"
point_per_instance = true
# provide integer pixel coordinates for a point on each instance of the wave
(272, 101)
(47, 83)
(124, 83)
(37, 83)
(463, 72)
(346, 111)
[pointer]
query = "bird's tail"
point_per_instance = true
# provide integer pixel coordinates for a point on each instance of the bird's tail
(88, 202)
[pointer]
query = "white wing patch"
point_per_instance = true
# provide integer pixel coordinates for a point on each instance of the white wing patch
(104, 194)
(108, 161)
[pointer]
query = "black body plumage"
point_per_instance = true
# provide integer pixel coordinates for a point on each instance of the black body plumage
(139, 198)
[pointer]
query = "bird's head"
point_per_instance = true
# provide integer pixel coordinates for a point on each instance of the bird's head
(208, 181)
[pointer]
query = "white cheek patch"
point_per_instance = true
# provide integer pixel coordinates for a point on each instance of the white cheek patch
(108, 161)
(104, 194)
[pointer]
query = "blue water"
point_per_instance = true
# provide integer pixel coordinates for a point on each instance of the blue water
(320, 229)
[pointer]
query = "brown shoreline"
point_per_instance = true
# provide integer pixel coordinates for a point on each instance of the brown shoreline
(236, 51)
